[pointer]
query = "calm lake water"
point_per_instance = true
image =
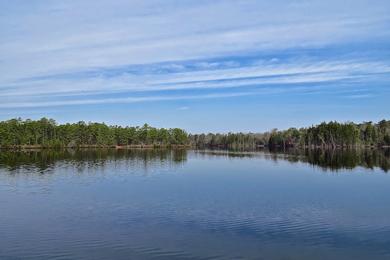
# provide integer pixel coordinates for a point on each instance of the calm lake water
(159, 204)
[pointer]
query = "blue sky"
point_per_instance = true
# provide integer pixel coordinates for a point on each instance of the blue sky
(200, 65)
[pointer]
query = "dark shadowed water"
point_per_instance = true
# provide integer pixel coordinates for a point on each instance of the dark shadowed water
(159, 204)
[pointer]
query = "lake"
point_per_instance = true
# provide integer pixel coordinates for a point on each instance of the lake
(194, 204)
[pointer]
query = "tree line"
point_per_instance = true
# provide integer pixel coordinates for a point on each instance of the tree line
(324, 135)
(47, 133)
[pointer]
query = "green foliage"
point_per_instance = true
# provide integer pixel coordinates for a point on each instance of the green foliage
(230, 140)
(46, 132)
(332, 134)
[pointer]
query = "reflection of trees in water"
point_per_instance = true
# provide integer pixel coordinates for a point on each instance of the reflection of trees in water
(342, 159)
(324, 158)
(44, 160)
(88, 158)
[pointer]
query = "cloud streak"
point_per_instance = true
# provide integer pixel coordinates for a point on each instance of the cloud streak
(80, 53)
(121, 100)
(131, 33)
(266, 73)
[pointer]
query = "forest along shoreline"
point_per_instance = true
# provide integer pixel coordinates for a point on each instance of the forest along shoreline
(46, 133)
(135, 146)
(189, 146)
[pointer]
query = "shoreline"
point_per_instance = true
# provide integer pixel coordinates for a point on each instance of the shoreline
(118, 147)
(176, 146)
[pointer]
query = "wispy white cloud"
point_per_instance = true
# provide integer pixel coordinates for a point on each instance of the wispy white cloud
(360, 96)
(121, 100)
(260, 74)
(56, 37)
(183, 108)
(55, 53)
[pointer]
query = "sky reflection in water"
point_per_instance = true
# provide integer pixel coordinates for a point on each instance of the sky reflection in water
(160, 204)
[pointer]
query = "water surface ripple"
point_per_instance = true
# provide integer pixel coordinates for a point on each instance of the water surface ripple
(180, 204)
